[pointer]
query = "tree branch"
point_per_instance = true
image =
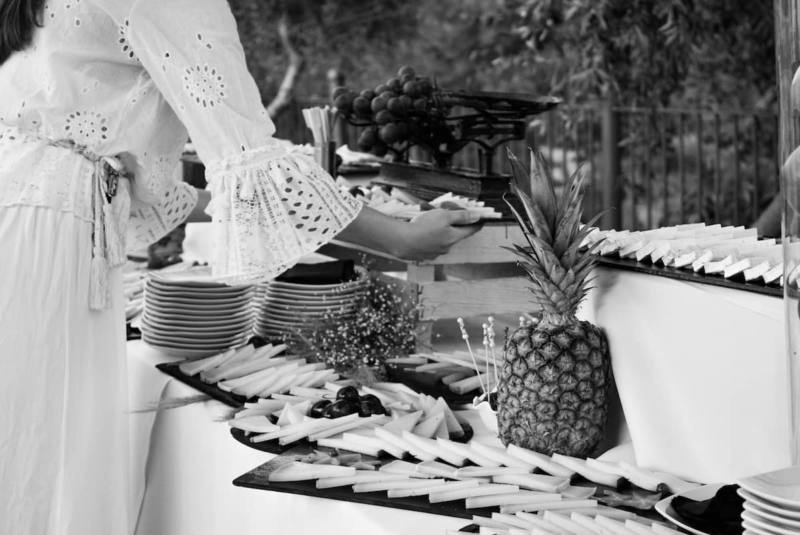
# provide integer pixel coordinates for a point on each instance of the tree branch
(285, 92)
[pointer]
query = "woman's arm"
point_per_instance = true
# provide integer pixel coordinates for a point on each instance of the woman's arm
(427, 236)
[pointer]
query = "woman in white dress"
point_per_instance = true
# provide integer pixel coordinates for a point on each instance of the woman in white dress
(89, 90)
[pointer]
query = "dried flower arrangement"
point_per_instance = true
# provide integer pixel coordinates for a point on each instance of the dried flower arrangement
(383, 328)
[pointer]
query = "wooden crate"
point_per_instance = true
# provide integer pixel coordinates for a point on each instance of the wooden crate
(477, 277)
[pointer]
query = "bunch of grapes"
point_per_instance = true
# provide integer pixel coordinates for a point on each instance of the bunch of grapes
(398, 113)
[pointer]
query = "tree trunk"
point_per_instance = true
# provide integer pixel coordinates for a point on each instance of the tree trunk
(285, 94)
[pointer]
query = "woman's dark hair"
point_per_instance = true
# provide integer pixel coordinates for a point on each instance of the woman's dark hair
(17, 20)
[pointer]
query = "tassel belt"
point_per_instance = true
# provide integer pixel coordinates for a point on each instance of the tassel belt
(109, 217)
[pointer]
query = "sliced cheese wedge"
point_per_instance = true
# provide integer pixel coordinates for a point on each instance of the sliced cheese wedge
(490, 471)
(540, 482)
(437, 469)
(523, 496)
(500, 455)
(308, 426)
(406, 422)
(593, 475)
(370, 421)
(378, 486)
(578, 493)
(428, 489)
(427, 427)
(261, 409)
(540, 461)
(375, 442)
(568, 505)
(480, 490)
(361, 476)
(566, 523)
(465, 451)
(538, 522)
(254, 424)
(298, 471)
(404, 468)
(512, 521)
(432, 447)
(193, 367)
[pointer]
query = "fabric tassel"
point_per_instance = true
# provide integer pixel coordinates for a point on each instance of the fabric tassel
(98, 280)
(115, 246)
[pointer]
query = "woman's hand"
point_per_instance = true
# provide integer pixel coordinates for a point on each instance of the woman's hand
(429, 235)
(432, 233)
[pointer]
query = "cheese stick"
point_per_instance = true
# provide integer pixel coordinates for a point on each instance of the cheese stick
(545, 506)
(379, 486)
(612, 525)
(432, 447)
(566, 523)
(481, 490)
(423, 491)
(538, 482)
(347, 426)
(523, 496)
(595, 476)
(361, 476)
(512, 521)
(404, 468)
(297, 471)
(540, 461)
(500, 455)
(465, 451)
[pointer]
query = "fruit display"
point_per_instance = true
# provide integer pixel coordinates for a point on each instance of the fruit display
(409, 109)
(556, 373)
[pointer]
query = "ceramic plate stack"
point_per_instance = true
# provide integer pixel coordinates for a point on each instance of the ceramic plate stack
(286, 309)
(190, 315)
(772, 502)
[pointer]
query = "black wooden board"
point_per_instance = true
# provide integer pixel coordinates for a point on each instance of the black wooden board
(689, 276)
(256, 479)
(228, 398)
(428, 383)
(273, 446)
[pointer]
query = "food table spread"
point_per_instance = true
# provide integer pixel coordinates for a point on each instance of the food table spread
(188, 459)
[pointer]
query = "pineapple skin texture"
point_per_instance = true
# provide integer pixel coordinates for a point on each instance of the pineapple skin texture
(554, 388)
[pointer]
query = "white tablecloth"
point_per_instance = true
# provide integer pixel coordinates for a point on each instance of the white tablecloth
(193, 459)
(701, 373)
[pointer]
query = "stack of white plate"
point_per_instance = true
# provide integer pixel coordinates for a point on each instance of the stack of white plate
(772, 502)
(286, 310)
(188, 314)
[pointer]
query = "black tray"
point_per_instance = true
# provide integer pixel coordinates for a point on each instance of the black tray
(687, 275)
(428, 383)
(304, 446)
(256, 480)
(228, 398)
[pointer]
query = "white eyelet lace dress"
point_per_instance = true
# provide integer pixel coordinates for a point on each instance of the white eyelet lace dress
(129, 79)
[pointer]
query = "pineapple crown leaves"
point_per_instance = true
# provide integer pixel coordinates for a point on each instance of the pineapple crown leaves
(554, 261)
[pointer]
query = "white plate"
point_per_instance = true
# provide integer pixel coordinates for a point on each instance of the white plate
(755, 530)
(768, 516)
(186, 293)
(192, 341)
(315, 296)
(706, 492)
(205, 313)
(197, 277)
(197, 301)
(184, 320)
(361, 280)
(768, 525)
(781, 486)
(168, 333)
(771, 507)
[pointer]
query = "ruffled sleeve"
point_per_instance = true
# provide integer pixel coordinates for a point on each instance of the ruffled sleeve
(270, 205)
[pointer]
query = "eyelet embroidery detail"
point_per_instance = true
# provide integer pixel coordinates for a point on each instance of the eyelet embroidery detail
(204, 84)
(86, 128)
(124, 44)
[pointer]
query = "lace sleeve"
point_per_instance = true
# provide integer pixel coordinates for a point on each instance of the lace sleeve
(270, 205)
(151, 221)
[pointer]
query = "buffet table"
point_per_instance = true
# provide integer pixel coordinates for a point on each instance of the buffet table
(185, 460)
(701, 372)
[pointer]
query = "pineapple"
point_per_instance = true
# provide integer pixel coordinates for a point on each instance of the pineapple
(555, 377)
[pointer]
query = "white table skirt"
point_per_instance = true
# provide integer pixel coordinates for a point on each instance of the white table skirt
(701, 372)
(189, 460)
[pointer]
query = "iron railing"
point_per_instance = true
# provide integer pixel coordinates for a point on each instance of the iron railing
(649, 167)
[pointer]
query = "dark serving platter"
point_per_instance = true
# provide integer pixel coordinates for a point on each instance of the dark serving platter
(228, 398)
(428, 383)
(687, 275)
(273, 446)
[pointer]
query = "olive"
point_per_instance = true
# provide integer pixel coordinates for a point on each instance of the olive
(317, 410)
(348, 392)
(257, 341)
(343, 407)
(371, 398)
(364, 408)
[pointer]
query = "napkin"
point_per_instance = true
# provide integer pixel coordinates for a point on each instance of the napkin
(721, 515)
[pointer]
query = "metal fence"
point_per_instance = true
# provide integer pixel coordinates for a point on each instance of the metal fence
(648, 167)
